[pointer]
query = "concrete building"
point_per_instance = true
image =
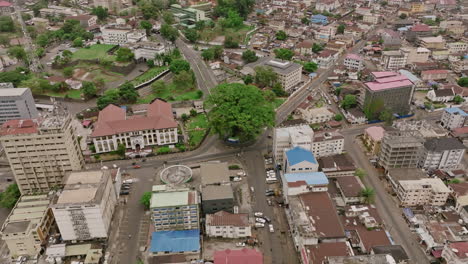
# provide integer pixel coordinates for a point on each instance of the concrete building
(182, 245)
(299, 160)
(442, 153)
(111, 5)
(27, 226)
(394, 59)
(429, 191)
(455, 252)
(289, 73)
(457, 47)
(353, 61)
(434, 75)
(400, 149)
(146, 50)
(41, 151)
(115, 35)
(16, 103)
(303, 182)
(137, 133)
(432, 42)
(326, 58)
(316, 115)
(453, 118)
(174, 209)
(414, 54)
(227, 225)
(188, 16)
(394, 90)
(371, 18)
(57, 11)
(372, 138)
(337, 166)
(327, 143)
(350, 189)
(216, 190)
(86, 21)
(418, 30)
(244, 255)
(366, 259)
(455, 26)
(290, 137)
(6, 8)
(326, 5)
(84, 208)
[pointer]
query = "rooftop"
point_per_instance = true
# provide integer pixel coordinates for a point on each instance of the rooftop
(420, 28)
(453, 110)
(279, 66)
(436, 184)
(375, 132)
(432, 39)
(298, 155)
(460, 189)
(443, 144)
(351, 186)
(27, 213)
(336, 162)
(173, 197)
(215, 192)
(328, 135)
(175, 241)
(388, 80)
(12, 91)
(399, 174)
(83, 187)
(214, 172)
(396, 251)
(114, 120)
(306, 178)
(353, 56)
(223, 218)
(366, 259)
(320, 252)
(242, 256)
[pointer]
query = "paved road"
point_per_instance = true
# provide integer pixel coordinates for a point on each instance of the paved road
(389, 211)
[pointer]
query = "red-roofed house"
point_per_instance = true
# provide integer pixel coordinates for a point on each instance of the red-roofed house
(243, 256)
(6, 8)
(326, 58)
(455, 252)
(434, 75)
(319, 253)
(418, 30)
(136, 132)
(227, 225)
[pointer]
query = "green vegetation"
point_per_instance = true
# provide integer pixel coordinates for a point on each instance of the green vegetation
(455, 181)
(15, 76)
(169, 32)
(97, 51)
(235, 35)
(349, 101)
(281, 35)
(338, 117)
(310, 66)
(241, 7)
(148, 75)
(249, 56)
(125, 94)
(316, 48)
(212, 53)
(284, 54)
(7, 24)
(277, 102)
(360, 173)
(234, 167)
(196, 128)
(124, 55)
(100, 12)
(368, 195)
(10, 196)
(179, 65)
(73, 94)
(340, 29)
(387, 117)
(89, 90)
(373, 109)
(458, 99)
(238, 110)
(463, 81)
(163, 150)
(145, 200)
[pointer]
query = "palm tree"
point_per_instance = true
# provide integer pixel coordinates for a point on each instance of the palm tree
(360, 173)
(368, 195)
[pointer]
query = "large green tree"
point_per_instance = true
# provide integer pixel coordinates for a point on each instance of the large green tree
(18, 52)
(179, 65)
(281, 35)
(169, 32)
(10, 196)
(89, 90)
(242, 7)
(6, 24)
(463, 81)
(249, 56)
(239, 110)
(147, 26)
(349, 101)
(310, 66)
(387, 117)
(101, 12)
(124, 55)
(191, 34)
(368, 195)
(284, 54)
(265, 76)
(145, 200)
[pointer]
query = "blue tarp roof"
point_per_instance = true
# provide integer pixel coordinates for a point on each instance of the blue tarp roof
(175, 241)
(456, 110)
(311, 178)
(319, 16)
(408, 213)
(298, 155)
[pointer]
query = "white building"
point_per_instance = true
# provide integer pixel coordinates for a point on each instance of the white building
(16, 103)
(302, 182)
(371, 18)
(453, 118)
(84, 208)
(316, 115)
(114, 127)
(290, 137)
(327, 144)
(115, 35)
(299, 159)
(146, 50)
(227, 225)
(394, 59)
(457, 47)
(327, 5)
(353, 61)
(442, 153)
(427, 191)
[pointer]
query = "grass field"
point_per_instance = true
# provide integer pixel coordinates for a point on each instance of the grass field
(147, 75)
(74, 94)
(196, 128)
(278, 102)
(97, 51)
(238, 34)
(170, 94)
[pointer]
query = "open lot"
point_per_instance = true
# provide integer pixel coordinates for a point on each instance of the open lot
(98, 51)
(196, 128)
(238, 34)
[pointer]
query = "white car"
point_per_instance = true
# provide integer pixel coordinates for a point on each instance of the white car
(258, 214)
(272, 230)
(241, 173)
(240, 244)
(260, 220)
(128, 181)
(237, 179)
(259, 225)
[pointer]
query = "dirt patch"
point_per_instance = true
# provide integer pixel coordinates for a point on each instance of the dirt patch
(210, 245)
(82, 75)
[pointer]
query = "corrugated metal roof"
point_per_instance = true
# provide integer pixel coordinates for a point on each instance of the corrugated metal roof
(175, 241)
(298, 154)
(311, 178)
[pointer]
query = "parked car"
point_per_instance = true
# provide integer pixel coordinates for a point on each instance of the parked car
(259, 225)
(252, 189)
(240, 244)
(124, 192)
(272, 230)
(270, 203)
(129, 181)
(258, 214)
(237, 179)
(125, 187)
(267, 219)
(136, 166)
(260, 220)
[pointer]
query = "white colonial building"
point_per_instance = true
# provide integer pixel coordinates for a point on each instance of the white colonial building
(227, 225)
(114, 127)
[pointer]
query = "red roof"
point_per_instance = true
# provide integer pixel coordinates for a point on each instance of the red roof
(434, 72)
(321, 251)
(420, 28)
(114, 120)
(19, 126)
(460, 131)
(223, 218)
(460, 249)
(5, 4)
(243, 256)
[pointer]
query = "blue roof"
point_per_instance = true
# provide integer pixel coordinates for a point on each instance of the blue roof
(413, 78)
(456, 110)
(298, 155)
(319, 16)
(175, 241)
(311, 178)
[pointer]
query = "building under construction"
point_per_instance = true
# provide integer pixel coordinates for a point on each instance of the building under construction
(401, 149)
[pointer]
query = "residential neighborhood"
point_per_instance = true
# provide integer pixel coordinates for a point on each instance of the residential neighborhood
(246, 132)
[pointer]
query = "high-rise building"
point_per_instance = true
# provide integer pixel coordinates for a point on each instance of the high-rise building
(84, 208)
(400, 149)
(41, 151)
(16, 103)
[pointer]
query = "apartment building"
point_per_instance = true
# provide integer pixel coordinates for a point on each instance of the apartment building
(41, 151)
(395, 90)
(327, 5)
(418, 30)
(6, 8)
(453, 118)
(188, 16)
(326, 58)
(442, 153)
(216, 190)
(353, 61)
(111, 5)
(137, 133)
(327, 143)
(16, 103)
(303, 182)
(457, 47)
(394, 59)
(454, 26)
(400, 149)
(290, 137)
(372, 138)
(27, 227)
(84, 208)
(434, 75)
(371, 18)
(227, 225)
(115, 35)
(57, 11)
(86, 21)
(299, 160)
(416, 54)
(174, 208)
(428, 191)
(432, 42)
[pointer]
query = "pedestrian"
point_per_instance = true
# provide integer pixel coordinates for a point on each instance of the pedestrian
(129, 236)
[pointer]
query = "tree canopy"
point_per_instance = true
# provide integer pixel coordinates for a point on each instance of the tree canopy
(316, 48)
(191, 34)
(458, 99)
(284, 54)
(179, 65)
(340, 29)
(145, 200)
(124, 55)
(89, 90)
(249, 56)
(101, 12)
(212, 53)
(281, 35)
(310, 66)
(233, 20)
(125, 94)
(18, 52)
(6, 24)
(169, 32)
(146, 25)
(242, 7)
(239, 110)
(349, 101)
(265, 76)
(463, 81)
(10, 196)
